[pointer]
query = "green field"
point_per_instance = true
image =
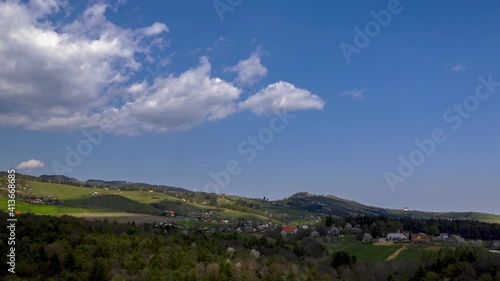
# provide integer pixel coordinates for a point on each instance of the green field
(41, 209)
(379, 252)
(415, 251)
(367, 252)
(60, 191)
(362, 251)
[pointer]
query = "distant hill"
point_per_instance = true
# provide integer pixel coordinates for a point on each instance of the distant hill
(61, 179)
(341, 207)
(330, 205)
(140, 198)
(57, 178)
(136, 185)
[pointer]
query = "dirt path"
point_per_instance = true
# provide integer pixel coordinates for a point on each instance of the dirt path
(396, 253)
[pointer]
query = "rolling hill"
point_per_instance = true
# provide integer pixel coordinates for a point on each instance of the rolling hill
(341, 207)
(121, 196)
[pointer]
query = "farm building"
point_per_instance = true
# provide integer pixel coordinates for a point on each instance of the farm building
(289, 229)
(419, 238)
(396, 236)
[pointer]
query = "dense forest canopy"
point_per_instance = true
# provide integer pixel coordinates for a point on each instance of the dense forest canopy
(68, 248)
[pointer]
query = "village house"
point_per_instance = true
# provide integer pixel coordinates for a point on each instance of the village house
(396, 237)
(444, 235)
(419, 238)
(289, 229)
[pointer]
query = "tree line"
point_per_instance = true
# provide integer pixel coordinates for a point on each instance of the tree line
(69, 248)
(380, 226)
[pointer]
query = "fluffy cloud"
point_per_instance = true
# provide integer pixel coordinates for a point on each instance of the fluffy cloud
(51, 78)
(178, 103)
(281, 96)
(83, 74)
(250, 71)
(459, 67)
(155, 29)
(356, 94)
(30, 164)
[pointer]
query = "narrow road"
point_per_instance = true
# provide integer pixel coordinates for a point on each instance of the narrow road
(396, 253)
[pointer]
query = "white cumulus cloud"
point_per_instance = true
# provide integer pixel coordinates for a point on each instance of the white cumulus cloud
(30, 164)
(250, 71)
(282, 96)
(155, 29)
(52, 78)
(179, 102)
(84, 74)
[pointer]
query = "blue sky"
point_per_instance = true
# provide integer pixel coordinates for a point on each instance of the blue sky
(182, 85)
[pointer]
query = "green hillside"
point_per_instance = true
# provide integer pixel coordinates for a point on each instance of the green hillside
(42, 209)
(60, 191)
(299, 208)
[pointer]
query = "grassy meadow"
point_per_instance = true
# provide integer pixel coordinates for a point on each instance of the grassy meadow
(41, 209)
